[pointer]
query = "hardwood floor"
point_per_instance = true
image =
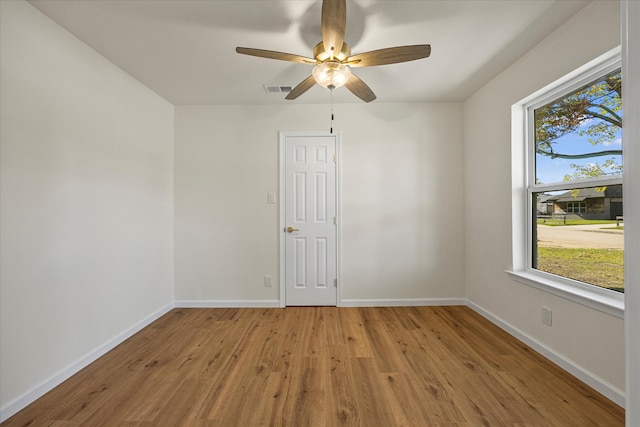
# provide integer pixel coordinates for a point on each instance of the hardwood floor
(322, 366)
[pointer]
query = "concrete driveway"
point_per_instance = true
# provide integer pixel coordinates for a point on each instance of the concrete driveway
(580, 236)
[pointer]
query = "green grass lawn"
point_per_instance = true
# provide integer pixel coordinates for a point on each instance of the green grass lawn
(559, 222)
(600, 267)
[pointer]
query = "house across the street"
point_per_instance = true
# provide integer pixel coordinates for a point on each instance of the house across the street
(585, 203)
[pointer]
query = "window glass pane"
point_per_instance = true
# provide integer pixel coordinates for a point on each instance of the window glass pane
(580, 134)
(579, 234)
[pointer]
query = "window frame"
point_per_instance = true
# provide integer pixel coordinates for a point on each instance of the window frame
(524, 186)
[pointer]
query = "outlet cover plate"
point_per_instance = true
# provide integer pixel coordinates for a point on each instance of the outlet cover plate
(547, 316)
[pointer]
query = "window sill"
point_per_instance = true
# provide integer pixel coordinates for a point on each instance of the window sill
(599, 299)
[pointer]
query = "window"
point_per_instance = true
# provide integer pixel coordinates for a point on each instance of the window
(569, 223)
(576, 207)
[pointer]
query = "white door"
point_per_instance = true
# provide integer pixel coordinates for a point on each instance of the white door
(309, 220)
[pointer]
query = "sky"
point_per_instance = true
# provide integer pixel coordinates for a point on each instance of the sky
(550, 170)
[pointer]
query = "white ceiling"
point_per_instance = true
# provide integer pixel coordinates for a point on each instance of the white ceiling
(185, 49)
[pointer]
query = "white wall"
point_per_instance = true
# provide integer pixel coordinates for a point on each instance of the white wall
(589, 340)
(402, 200)
(86, 204)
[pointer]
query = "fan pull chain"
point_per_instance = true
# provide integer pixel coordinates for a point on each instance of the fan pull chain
(331, 126)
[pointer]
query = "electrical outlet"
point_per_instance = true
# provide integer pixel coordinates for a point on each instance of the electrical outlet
(268, 280)
(271, 198)
(547, 316)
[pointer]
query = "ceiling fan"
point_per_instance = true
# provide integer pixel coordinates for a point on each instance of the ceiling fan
(332, 56)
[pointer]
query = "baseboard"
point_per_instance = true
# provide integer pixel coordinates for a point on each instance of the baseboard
(343, 303)
(401, 302)
(227, 304)
(14, 406)
(601, 386)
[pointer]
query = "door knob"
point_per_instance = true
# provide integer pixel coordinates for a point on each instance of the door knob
(291, 229)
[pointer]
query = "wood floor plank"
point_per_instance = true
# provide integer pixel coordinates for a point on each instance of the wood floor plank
(386, 350)
(272, 401)
(342, 407)
(375, 400)
(305, 404)
(321, 366)
(355, 334)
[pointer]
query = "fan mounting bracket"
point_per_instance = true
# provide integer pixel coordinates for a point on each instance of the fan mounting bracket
(321, 54)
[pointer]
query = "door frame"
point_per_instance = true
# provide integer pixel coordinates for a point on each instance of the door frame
(282, 204)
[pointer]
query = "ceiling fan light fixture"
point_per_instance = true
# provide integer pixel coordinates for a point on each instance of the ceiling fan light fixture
(331, 74)
(332, 56)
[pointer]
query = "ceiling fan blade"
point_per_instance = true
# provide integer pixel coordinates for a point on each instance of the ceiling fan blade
(302, 87)
(390, 55)
(360, 88)
(334, 23)
(272, 54)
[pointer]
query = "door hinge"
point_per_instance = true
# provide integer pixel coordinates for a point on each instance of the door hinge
(335, 220)
(335, 282)
(335, 158)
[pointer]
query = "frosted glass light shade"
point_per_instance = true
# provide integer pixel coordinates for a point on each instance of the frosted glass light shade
(331, 74)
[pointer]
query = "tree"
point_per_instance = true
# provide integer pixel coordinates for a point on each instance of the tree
(593, 111)
(592, 170)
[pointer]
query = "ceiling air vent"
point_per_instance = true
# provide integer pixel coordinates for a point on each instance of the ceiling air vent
(277, 88)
